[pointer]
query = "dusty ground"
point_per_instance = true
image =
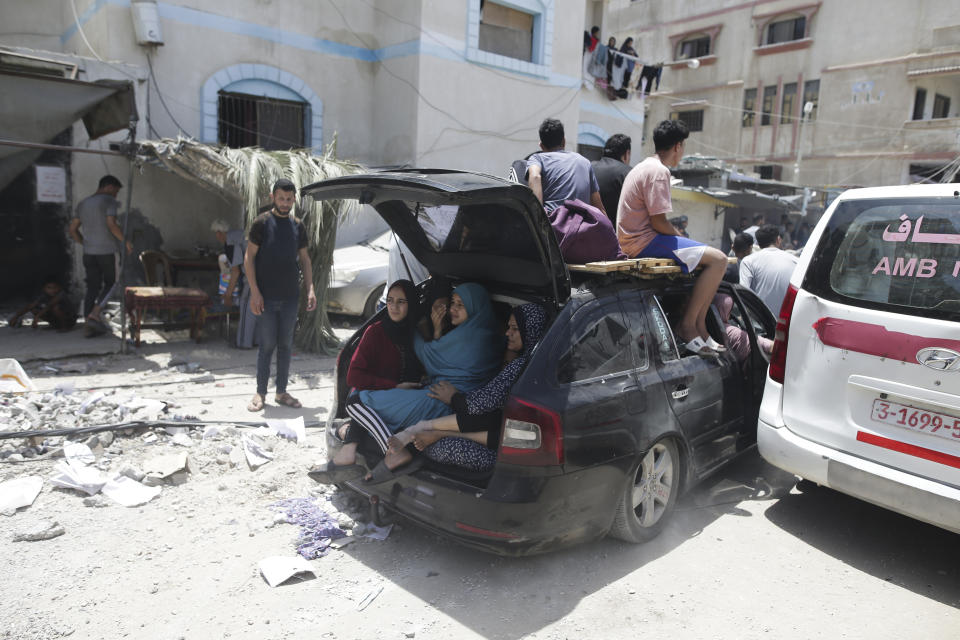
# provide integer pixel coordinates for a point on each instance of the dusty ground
(747, 555)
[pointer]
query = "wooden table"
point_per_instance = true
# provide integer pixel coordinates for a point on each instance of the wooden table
(139, 299)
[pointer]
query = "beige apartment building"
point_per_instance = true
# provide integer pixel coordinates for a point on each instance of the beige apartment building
(881, 79)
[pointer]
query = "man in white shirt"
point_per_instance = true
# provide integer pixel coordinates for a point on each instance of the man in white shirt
(758, 221)
(767, 272)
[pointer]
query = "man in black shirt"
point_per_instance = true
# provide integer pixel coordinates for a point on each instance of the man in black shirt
(611, 169)
(277, 239)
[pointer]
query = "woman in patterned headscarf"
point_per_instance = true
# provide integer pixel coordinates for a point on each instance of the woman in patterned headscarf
(478, 413)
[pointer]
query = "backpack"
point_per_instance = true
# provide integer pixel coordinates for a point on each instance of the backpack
(518, 170)
(584, 233)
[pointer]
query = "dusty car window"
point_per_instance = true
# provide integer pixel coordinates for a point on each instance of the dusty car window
(893, 253)
(601, 349)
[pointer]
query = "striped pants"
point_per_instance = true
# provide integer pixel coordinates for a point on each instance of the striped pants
(368, 419)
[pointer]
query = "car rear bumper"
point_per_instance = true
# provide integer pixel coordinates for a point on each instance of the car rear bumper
(911, 495)
(522, 511)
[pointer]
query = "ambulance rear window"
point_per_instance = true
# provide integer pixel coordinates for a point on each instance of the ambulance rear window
(898, 255)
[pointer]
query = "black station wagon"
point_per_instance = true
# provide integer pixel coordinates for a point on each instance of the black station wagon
(609, 423)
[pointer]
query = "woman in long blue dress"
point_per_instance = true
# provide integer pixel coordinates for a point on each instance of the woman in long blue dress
(467, 356)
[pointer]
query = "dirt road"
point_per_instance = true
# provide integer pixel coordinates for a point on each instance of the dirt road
(747, 555)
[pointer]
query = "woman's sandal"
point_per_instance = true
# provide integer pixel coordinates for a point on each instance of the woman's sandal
(716, 346)
(288, 400)
(331, 473)
(383, 473)
(256, 404)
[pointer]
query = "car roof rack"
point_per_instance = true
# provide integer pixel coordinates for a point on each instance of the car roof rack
(645, 268)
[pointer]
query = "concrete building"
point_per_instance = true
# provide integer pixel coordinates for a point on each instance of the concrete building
(882, 78)
(433, 83)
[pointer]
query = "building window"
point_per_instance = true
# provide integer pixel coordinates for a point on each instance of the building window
(786, 30)
(941, 106)
(255, 121)
(749, 107)
(505, 31)
(768, 171)
(919, 103)
(514, 34)
(695, 47)
(766, 109)
(693, 119)
(788, 102)
(811, 94)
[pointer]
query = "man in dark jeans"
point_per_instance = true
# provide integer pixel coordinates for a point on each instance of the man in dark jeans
(277, 239)
(95, 227)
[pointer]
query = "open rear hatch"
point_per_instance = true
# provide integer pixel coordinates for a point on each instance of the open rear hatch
(465, 226)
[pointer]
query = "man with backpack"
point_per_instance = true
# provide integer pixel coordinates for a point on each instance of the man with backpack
(556, 175)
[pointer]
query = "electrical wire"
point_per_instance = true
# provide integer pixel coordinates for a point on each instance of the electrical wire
(76, 20)
(160, 95)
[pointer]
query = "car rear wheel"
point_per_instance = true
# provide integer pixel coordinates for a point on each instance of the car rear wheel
(370, 307)
(649, 500)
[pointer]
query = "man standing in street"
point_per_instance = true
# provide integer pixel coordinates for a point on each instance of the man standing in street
(758, 221)
(95, 227)
(611, 170)
(556, 175)
(645, 232)
(767, 272)
(277, 239)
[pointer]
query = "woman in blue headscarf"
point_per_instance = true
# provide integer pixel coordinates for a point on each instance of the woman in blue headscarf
(467, 357)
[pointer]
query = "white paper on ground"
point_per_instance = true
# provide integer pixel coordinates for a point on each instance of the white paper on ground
(374, 532)
(370, 597)
(278, 569)
(128, 492)
(19, 492)
(256, 455)
(289, 428)
(70, 476)
(13, 379)
(182, 439)
(91, 400)
(78, 454)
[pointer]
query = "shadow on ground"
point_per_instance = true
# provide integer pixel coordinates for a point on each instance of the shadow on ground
(906, 552)
(487, 599)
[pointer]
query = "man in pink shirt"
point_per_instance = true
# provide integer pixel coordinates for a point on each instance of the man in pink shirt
(645, 232)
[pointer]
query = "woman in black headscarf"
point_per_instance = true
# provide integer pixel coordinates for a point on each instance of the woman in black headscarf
(384, 359)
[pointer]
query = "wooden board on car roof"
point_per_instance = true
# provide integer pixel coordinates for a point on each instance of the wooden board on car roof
(642, 267)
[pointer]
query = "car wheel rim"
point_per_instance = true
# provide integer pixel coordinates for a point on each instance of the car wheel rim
(654, 485)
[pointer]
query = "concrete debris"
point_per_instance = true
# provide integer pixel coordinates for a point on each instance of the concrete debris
(39, 530)
(157, 469)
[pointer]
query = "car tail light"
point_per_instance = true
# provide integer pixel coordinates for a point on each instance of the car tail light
(778, 359)
(532, 435)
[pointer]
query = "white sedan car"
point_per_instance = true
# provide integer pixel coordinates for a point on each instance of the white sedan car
(358, 276)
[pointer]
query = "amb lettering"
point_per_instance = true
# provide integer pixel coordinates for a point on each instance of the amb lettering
(910, 268)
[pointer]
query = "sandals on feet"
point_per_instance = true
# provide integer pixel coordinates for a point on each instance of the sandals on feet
(288, 400)
(716, 346)
(698, 346)
(256, 404)
(383, 473)
(331, 473)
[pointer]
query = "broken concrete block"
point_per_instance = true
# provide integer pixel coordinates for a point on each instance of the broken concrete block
(132, 472)
(164, 466)
(105, 438)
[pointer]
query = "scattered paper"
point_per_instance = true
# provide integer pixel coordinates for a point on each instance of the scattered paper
(372, 531)
(78, 454)
(292, 428)
(370, 597)
(256, 454)
(128, 492)
(278, 569)
(13, 379)
(91, 400)
(19, 492)
(182, 439)
(66, 388)
(82, 478)
(164, 466)
(150, 438)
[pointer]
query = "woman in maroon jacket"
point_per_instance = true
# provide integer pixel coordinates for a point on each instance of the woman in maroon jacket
(384, 359)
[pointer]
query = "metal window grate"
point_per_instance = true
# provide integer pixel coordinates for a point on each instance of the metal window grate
(255, 121)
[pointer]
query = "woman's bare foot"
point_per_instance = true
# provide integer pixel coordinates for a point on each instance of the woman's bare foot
(426, 438)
